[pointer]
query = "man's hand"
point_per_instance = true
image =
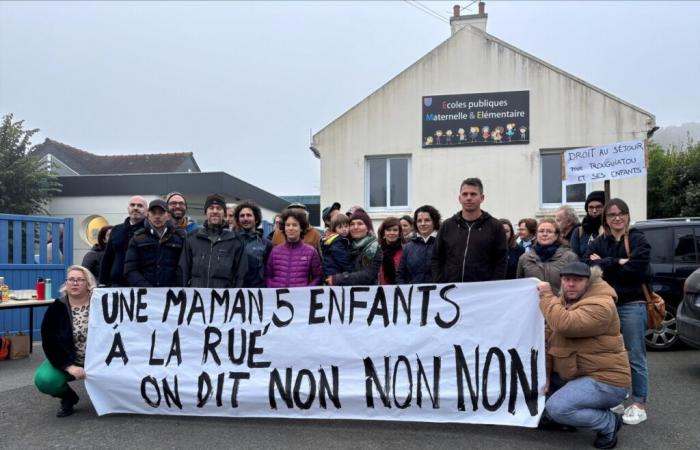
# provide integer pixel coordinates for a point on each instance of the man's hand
(594, 257)
(544, 288)
(77, 372)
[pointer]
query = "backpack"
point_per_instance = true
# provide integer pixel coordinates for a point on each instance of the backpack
(4, 347)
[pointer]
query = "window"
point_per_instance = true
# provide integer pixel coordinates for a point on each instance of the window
(554, 193)
(386, 182)
(661, 248)
(685, 245)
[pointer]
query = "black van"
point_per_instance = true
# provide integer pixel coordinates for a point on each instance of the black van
(674, 256)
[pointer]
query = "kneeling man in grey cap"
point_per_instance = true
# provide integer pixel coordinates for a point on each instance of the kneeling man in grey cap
(587, 365)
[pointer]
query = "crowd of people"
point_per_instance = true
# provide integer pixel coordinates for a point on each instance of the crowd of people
(594, 316)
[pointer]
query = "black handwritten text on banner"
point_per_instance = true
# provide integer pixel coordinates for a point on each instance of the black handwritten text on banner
(440, 353)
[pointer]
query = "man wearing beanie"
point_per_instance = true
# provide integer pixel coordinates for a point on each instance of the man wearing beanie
(177, 207)
(213, 257)
(471, 245)
(591, 224)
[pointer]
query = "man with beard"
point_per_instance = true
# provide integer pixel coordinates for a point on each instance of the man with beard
(177, 207)
(213, 257)
(591, 225)
(249, 217)
(112, 266)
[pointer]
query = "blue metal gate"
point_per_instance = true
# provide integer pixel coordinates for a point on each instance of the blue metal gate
(25, 256)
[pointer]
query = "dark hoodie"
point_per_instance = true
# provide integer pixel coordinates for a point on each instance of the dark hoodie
(626, 279)
(476, 251)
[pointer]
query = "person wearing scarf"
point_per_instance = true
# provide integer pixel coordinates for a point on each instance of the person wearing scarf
(590, 225)
(390, 239)
(547, 257)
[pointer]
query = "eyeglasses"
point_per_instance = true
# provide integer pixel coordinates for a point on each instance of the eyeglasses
(76, 280)
(615, 215)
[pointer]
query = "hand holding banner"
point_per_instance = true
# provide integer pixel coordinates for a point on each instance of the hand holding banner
(471, 352)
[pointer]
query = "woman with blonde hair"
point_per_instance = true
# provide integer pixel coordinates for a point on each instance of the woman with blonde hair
(63, 337)
(549, 254)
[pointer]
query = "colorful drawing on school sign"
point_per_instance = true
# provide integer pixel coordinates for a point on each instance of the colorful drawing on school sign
(493, 118)
(604, 162)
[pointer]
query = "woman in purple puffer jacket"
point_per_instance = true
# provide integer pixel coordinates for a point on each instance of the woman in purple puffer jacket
(294, 264)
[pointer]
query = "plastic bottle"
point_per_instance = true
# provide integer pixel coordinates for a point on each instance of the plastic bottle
(40, 289)
(49, 289)
(5, 289)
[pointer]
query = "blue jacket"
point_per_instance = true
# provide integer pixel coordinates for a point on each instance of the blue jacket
(112, 266)
(336, 255)
(152, 261)
(414, 267)
(257, 249)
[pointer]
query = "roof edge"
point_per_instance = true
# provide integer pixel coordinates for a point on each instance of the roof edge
(472, 29)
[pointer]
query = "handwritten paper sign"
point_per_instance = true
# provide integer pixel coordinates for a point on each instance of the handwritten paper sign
(605, 162)
(471, 352)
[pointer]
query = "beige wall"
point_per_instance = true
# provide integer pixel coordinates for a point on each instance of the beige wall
(564, 113)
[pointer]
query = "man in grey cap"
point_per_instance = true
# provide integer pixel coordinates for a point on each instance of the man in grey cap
(588, 370)
(154, 251)
(214, 257)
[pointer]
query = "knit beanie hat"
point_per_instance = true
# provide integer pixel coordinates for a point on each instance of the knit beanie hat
(360, 214)
(595, 196)
(214, 199)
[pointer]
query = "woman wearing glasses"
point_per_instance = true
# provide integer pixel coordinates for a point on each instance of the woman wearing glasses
(626, 272)
(63, 336)
(548, 255)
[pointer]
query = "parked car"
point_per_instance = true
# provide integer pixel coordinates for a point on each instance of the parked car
(675, 254)
(688, 314)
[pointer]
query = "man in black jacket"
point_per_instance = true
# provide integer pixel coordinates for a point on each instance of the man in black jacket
(213, 257)
(112, 267)
(154, 251)
(471, 245)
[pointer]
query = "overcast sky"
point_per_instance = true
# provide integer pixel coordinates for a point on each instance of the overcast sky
(242, 85)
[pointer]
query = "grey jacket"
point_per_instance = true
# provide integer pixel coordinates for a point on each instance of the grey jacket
(213, 258)
(530, 265)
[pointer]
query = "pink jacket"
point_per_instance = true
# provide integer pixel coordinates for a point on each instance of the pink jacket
(293, 264)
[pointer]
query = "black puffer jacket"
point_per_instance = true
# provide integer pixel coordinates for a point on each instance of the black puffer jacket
(415, 267)
(57, 334)
(93, 259)
(213, 258)
(476, 252)
(626, 279)
(112, 267)
(152, 261)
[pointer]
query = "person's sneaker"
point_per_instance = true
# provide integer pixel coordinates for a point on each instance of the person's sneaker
(634, 415)
(609, 440)
(619, 409)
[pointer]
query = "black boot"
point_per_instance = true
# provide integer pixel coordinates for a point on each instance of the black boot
(609, 440)
(68, 399)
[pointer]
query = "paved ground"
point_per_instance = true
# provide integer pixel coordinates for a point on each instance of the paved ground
(27, 421)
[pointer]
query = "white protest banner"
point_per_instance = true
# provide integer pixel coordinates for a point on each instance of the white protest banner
(605, 162)
(471, 352)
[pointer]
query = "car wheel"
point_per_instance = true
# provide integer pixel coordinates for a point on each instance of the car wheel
(666, 336)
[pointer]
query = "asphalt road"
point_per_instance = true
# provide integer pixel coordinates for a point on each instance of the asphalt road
(27, 421)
